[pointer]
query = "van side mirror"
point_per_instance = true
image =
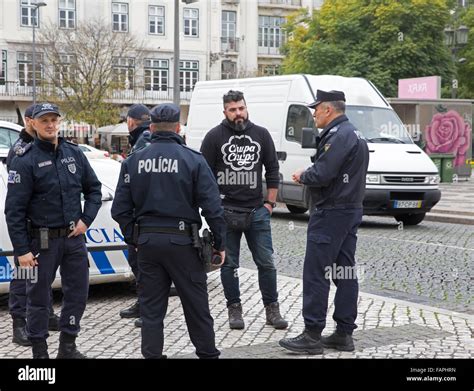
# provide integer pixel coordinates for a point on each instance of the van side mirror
(308, 138)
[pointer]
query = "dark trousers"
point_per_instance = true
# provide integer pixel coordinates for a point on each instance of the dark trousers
(166, 258)
(330, 253)
(70, 254)
(17, 299)
(133, 262)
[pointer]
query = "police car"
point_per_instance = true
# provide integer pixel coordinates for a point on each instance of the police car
(107, 250)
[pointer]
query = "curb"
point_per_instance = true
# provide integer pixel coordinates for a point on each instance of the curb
(449, 218)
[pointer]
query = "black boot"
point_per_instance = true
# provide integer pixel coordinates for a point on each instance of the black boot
(308, 342)
(138, 322)
(40, 349)
(131, 312)
(236, 322)
(19, 332)
(274, 317)
(53, 322)
(67, 347)
(339, 341)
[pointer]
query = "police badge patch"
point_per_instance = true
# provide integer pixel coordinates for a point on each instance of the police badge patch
(71, 168)
(13, 177)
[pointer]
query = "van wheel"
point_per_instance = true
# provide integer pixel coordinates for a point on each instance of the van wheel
(411, 218)
(296, 209)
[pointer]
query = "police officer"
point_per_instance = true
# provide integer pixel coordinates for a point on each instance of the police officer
(17, 292)
(337, 184)
(158, 197)
(46, 224)
(138, 122)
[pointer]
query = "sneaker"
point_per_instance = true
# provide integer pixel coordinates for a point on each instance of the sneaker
(305, 343)
(339, 341)
(236, 322)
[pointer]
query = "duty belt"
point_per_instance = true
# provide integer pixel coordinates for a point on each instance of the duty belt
(165, 230)
(53, 233)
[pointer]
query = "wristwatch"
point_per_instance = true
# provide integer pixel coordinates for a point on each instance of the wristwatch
(272, 204)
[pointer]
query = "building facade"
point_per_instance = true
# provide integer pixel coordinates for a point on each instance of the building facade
(219, 39)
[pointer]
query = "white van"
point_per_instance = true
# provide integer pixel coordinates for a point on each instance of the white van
(107, 250)
(402, 181)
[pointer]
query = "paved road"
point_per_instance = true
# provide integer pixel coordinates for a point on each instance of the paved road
(432, 263)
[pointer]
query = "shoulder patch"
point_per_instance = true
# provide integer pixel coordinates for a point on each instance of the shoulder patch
(21, 148)
(191, 149)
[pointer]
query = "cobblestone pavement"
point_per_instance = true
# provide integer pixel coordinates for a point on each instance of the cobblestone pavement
(432, 263)
(388, 328)
(415, 300)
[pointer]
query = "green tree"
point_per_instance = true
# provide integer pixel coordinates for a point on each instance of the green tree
(380, 40)
(465, 70)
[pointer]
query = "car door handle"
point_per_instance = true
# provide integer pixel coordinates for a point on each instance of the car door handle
(281, 155)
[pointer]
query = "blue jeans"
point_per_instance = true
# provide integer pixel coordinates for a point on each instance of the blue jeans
(259, 240)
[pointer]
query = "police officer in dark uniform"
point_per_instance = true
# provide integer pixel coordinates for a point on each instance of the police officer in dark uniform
(138, 123)
(46, 224)
(17, 292)
(158, 197)
(337, 184)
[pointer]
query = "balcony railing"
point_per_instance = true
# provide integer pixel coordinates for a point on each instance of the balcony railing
(269, 50)
(229, 44)
(13, 89)
(294, 3)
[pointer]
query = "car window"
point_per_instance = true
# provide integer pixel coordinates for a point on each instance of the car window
(84, 149)
(299, 117)
(7, 137)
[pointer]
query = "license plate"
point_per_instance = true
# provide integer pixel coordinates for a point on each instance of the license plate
(407, 204)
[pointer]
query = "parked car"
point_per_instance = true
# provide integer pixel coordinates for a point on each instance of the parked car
(93, 153)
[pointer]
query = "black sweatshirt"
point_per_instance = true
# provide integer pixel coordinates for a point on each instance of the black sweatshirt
(237, 158)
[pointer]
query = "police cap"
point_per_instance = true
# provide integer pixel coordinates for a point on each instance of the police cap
(166, 112)
(45, 108)
(327, 96)
(139, 111)
(30, 110)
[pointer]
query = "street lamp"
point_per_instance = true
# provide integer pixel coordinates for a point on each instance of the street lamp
(456, 39)
(35, 8)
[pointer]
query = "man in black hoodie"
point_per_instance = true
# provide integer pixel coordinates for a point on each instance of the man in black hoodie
(236, 151)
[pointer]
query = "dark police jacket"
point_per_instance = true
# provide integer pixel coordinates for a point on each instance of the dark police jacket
(337, 177)
(45, 186)
(140, 137)
(20, 147)
(166, 184)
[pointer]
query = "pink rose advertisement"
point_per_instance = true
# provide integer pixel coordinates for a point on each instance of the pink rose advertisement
(448, 132)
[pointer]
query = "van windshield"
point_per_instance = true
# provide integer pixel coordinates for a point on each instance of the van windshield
(378, 125)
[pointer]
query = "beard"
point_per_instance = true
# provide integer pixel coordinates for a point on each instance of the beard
(238, 124)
